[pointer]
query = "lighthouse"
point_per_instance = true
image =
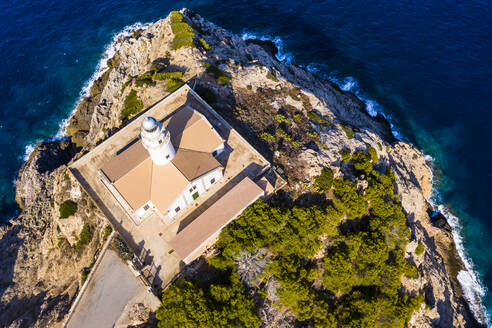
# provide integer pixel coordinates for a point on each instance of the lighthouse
(157, 140)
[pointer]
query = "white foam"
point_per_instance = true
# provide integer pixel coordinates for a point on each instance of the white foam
(472, 288)
(282, 55)
(29, 149)
(101, 68)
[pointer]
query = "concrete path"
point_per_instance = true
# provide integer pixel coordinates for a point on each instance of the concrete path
(111, 288)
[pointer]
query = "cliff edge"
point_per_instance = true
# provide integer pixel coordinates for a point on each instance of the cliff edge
(243, 80)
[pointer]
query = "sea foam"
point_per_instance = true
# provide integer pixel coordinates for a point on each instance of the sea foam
(469, 279)
(102, 66)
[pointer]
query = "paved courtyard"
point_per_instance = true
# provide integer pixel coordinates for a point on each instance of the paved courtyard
(111, 288)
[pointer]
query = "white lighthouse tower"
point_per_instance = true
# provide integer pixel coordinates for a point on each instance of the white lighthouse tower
(157, 140)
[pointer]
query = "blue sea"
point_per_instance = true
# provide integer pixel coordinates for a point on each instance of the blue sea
(425, 64)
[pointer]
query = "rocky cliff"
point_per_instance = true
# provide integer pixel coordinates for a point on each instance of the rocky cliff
(244, 82)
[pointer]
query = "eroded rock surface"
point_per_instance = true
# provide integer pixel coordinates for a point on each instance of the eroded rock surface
(41, 266)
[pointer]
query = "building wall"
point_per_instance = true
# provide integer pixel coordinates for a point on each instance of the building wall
(199, 185)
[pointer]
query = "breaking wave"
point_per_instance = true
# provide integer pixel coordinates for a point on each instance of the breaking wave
(101, 68)
(471, 285)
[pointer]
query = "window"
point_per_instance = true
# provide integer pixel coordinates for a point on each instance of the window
(212, 181)
(191, 189)
(195, 195)
(146, 207)
(177, 209)
(160, 141)
(214, 153)
(167, 156)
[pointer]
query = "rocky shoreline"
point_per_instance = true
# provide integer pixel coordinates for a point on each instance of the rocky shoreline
(42, 266)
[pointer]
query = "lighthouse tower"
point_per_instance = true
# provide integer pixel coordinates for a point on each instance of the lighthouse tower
(157, 140)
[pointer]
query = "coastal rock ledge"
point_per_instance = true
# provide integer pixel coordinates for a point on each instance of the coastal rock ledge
(244, 81)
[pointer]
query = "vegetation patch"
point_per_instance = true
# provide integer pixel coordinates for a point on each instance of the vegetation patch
(220, 76)
(355, 283)
(67, 209)
(167, 75)
(345, 154)
(324, 181)
(205, 45)
(85, 237)
(312, 115)
(173, 85)
(267, 137)
(271, 76)
(420, 249)
(122, 249)
(183, 33)
(348, 131)
(107, 231)
(281, 118)
(133, 105)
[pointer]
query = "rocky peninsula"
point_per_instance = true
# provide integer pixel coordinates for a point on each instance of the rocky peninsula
(244, 81)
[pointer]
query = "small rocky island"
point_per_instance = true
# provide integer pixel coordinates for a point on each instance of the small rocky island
(349, 240)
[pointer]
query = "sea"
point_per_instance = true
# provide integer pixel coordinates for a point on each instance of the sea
(425, 65)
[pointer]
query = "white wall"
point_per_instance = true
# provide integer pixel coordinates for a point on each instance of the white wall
(202, 184)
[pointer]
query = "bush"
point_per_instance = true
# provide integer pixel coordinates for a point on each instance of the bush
(85, 237)
(183, 33)
(122, 249)
(132, 105)
(186, 304)
(205, 45)
(372, 153)
(221, 77)
(420, 249)
(298, 118)
(173, 85)
(312, 115)
(167, 75)
(267, 137)
(345, 154)
(271, 76)
(324, 181)
(83, 276)
(280, 118)
(107, 232)
(348, 131)
(67, 209)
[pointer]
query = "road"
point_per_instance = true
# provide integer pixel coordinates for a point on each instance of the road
(111, 288)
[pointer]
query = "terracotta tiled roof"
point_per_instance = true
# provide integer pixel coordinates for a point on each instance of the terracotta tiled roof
(138, 180)
(218, 215)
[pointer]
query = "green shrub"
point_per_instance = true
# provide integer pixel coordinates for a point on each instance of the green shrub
(205, 45)
(132, 105)
(123, 87)
(221, 77)
(313, 134)
(267, 137)
(312, 115)
(107, 232)
(282, 134)
(122, 249)
(271, 76)
(280, 118)
(173, 85)
(67, 209)
(298, 117)
(224, 304)
(324, 181)
(420, 249)
(167, 75)
(296, 143)
(85, 237)
(348, 131)
(83, 276)
(183, 33)
(372, 153)
(145, 76)
(345, 154)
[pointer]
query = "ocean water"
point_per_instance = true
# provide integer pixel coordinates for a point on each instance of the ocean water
(425, 64)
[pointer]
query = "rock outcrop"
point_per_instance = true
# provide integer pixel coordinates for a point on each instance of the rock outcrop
(42, 263)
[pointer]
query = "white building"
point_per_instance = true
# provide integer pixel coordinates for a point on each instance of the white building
(167, 167)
